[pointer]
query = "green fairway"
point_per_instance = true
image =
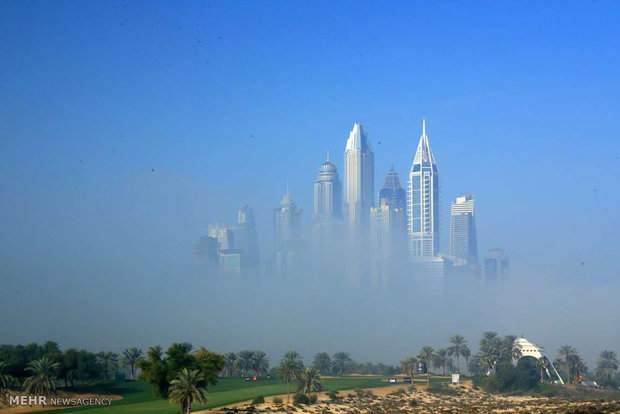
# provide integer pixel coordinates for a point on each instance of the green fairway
(137, 397)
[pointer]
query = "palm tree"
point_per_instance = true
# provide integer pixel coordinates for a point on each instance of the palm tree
(442, 360)
(260, 362)
(245, 361)
(322, 362)
(408, 366)
(566, 353)
(308, 380)
(542, 364)
(185, 389)
(427, 354)
(466, 354)
(341, 363)
(287, 370)
(509, 350)
(6, 380)
(457, 348)
(579, 367)
(43, 379)
(230, 360)
(296, 358)
(130, 357)
(606, 365)
(476, 365)
(109, 361)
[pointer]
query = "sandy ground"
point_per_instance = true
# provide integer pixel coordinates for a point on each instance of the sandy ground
(62, 394)
(400, 399)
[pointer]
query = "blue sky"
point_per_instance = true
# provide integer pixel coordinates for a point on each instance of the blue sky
(127, 127)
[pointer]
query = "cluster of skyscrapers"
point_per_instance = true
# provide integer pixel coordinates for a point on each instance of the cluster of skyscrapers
(367, 232)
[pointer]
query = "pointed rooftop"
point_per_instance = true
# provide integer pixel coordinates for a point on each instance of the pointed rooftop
(424, 154)
(391, 179)
(358, 139)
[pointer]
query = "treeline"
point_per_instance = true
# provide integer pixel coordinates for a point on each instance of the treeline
(498, 365)
(38, 369)
(251, 362)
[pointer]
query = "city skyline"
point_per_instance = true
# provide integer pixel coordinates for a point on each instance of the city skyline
(128, 127)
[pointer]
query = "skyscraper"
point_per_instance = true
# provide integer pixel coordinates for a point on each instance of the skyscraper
(358, 180)
(287, 232)
(463, 241)
(245, 235)
(495, 266)
(423, 201)
(327, 195)
(388, 221)
(327, 227)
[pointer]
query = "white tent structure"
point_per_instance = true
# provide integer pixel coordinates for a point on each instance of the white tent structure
(528, 349)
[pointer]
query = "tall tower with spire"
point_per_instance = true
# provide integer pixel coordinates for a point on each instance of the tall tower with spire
(358, 180)
(327, 194)
(423, 201)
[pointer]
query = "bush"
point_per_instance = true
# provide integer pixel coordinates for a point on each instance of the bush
(400, 391)
(413, 403)
(300, 399)
(312, 398)
(441, 388)
(411, 387)
(509, 379)
(277, 400)
(333, 395)
(258, 400)
(549, 390)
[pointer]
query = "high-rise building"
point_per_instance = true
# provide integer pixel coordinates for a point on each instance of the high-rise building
(388, 221)
(245, 236)
(327, 194)
(224, 236)
(327, 226)
(287, 233)
(206, 250)
(463, 241)
(358, 180)
(496, 266)
(423, 201)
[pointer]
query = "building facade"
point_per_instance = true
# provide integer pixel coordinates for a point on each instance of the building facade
(358, 181)
(423, 201)
(463, 239)
(287, 233)
(496, 266)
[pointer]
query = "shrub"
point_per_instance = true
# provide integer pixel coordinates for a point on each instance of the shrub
(277, 400)
(258, 400)
(312, 398)
(300, 399)
(549, 390)
(333, 395)
(400, 391)
(413, 403)
(411, 387)
(441, 388)
(509, 379)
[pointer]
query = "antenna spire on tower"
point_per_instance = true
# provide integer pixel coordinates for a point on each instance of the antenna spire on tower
(327, 155)
(423, 126)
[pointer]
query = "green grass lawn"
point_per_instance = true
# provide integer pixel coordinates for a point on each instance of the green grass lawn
(138, 397)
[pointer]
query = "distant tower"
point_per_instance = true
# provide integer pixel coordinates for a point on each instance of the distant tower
(389, 220)
(358, 180)
(423, 201)
(327, 194)
(246, 237)
(287, 232)
(463, 241)
(496, 266)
